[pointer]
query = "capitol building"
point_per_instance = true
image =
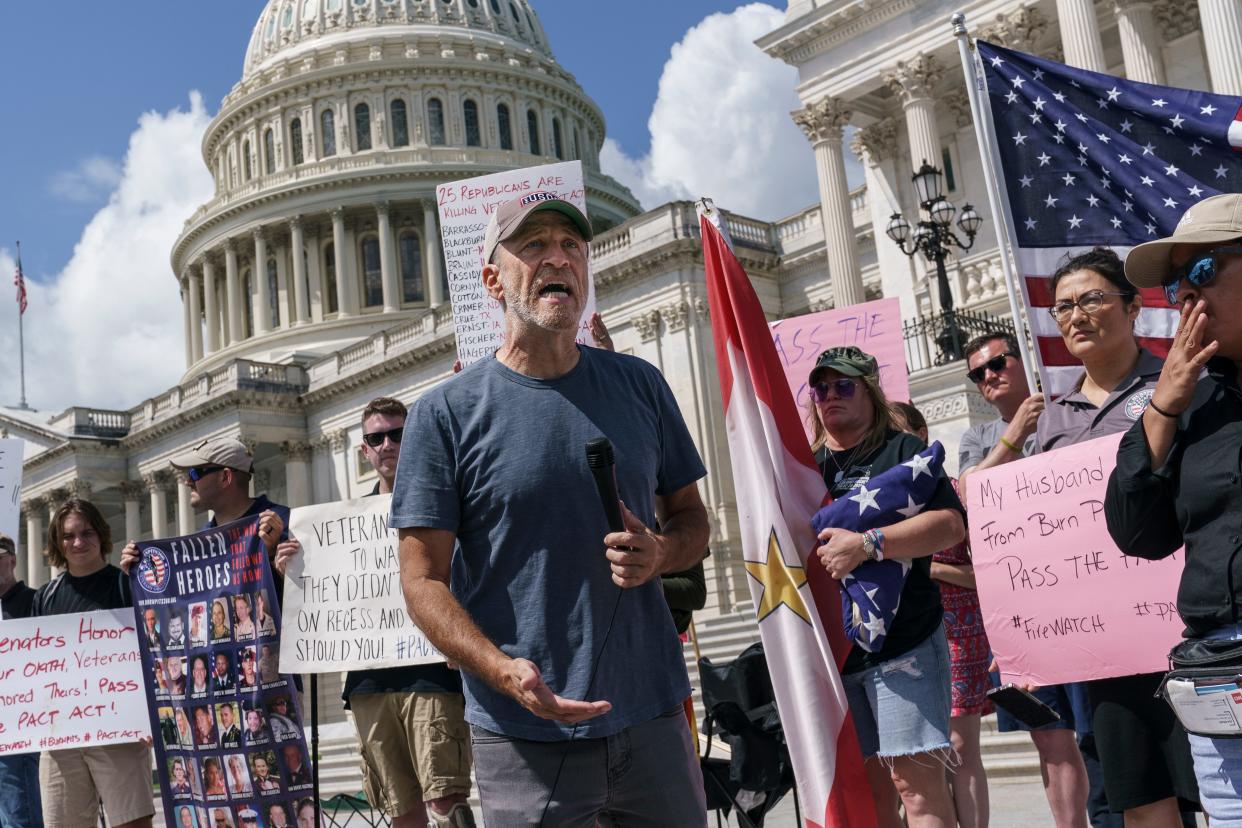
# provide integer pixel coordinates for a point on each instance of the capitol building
(313, 279)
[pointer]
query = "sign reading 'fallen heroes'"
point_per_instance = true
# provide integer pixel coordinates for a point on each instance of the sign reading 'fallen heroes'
(343, 607)
(874, 327)
(230, 747)
(465, 209)
(70, 681)
(1060, 602)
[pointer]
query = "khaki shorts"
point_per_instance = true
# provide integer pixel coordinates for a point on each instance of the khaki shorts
(415, 747)
(73, 782)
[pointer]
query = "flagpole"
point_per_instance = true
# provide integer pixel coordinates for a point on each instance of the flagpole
(1000, 216)
(21, 341)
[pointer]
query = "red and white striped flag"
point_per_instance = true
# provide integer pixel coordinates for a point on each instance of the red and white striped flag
(779, 488)
(20, 282)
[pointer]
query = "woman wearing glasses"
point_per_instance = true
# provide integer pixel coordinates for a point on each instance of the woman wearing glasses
(1143, 750)
(1178, 468)
(899, 696)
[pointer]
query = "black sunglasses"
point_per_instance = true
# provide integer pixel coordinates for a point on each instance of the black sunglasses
(376, 438)
(844, 388)
(199, 472)
(996, 364)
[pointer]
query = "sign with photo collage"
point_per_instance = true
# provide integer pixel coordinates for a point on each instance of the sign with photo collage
(228, 727)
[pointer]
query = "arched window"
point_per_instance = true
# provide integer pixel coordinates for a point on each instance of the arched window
(362, 126)
(435, 123)
(532, 126)
(245, 160)
(269, 152)
(331, 302)
(372, 274)
(517, 18)
(273, 295)
(327, 132)
(470, 114)
(411, 267)
(247, 304)
(400, 124)
(495, 6)
(558, 146)
(295, 141)
(502, 124)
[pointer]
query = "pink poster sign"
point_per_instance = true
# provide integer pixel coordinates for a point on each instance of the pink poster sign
(1060, 602)
(875, 327)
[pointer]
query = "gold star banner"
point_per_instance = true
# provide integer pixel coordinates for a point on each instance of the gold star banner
(780, 582)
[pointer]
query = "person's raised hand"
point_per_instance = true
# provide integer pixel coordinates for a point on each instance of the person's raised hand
(599, 332)
(636, 555)
(1186, 360)
(523, 681)
(1025, 419)
(840, 551)
(285, 552)
(130, 556)
(270, 527)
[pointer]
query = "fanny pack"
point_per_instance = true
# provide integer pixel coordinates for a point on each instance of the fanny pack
(1204, 688)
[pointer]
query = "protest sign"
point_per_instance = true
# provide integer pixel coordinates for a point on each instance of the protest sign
(343, 593)
(10, 486)
(1060, 602)
(465, 208)
(229, 741)
(70, 681)
(875, 327)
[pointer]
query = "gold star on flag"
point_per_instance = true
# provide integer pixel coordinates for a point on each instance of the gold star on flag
(780, 582)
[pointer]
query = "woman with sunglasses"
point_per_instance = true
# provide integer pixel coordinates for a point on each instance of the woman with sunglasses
(1178, 468)
(899, 695)
(1143, 752)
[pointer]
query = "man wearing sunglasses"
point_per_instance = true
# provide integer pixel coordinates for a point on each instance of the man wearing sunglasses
(995, 365)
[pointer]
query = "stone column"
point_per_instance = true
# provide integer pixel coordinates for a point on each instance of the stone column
(876, 145)
(185, 512)
(388, 266)
(301, 302)
(1140, 40)
(185, 321)
(339, 442)
(431, 248)
(36, 563)
(915, 83)
(131, 494)
(233, 296)
(1221, 22)
(210, 309)
(1080, 35)
(258, 283)
(314, 277)
(346, 290)
(196, 314)
(823, 122)
(284, 314)
(297, 473)
(156, 484)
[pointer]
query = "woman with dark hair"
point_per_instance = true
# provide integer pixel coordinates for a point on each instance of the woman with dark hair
(73, 781)
(1143, 750)
(901, 715)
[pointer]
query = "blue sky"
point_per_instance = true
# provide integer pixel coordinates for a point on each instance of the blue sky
(77, 95)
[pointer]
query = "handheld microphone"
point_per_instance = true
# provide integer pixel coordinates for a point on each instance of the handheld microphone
(603, 467)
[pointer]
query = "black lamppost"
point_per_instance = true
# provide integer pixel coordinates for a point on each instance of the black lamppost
(935, 238)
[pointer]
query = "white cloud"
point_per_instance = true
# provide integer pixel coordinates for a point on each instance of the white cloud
(107, 330)
(720, 126)
(91, 180)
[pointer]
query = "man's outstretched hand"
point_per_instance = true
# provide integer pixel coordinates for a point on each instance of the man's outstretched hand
(523, 681)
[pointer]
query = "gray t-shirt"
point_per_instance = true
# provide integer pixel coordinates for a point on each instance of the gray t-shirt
(1075, 419)
(499, 458)
(979, 440)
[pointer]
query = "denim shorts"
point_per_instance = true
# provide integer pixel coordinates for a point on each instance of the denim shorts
(1218, 763)
(1068, 700)
(908, 696)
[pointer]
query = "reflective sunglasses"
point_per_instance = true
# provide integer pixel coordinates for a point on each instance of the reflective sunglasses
(199, 472)
(376, 438)
(1198, 271)
(1089, 303)
(996, 364)
(843, 388)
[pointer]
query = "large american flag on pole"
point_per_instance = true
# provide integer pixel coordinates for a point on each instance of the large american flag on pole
(1090, 159)
(20, 282)
(779, 488)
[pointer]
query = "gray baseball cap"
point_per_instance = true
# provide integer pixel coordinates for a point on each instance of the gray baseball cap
(509, 217)
(222, 451)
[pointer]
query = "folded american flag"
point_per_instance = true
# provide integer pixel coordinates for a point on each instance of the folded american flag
(871, 594)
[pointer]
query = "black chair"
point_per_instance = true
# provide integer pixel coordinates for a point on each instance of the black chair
(739, 701)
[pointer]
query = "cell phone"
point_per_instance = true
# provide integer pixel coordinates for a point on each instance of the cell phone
(1023, 706)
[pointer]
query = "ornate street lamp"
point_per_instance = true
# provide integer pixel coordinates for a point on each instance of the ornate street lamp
(934, 239)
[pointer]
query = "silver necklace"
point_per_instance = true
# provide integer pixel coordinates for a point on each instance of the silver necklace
(848, 463)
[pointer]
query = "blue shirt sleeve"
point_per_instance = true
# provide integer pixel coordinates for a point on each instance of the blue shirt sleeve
(680, 464)
(425, 492)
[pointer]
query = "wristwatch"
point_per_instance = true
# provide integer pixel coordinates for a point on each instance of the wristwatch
(873, 544)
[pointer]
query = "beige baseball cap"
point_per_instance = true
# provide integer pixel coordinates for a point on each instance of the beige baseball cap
(222, 451)
(1213, 220)
(509, 217)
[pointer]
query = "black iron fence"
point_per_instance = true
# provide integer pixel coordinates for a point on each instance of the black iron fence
(937, 339)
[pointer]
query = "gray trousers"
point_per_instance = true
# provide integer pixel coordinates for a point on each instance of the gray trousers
(646, 775)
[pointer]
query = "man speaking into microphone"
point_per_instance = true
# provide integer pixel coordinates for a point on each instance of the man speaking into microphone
(573, 673)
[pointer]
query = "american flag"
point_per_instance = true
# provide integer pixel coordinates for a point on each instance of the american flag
(20, 281)
(1090, 159)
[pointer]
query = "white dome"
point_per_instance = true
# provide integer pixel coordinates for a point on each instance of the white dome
(289, 27)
